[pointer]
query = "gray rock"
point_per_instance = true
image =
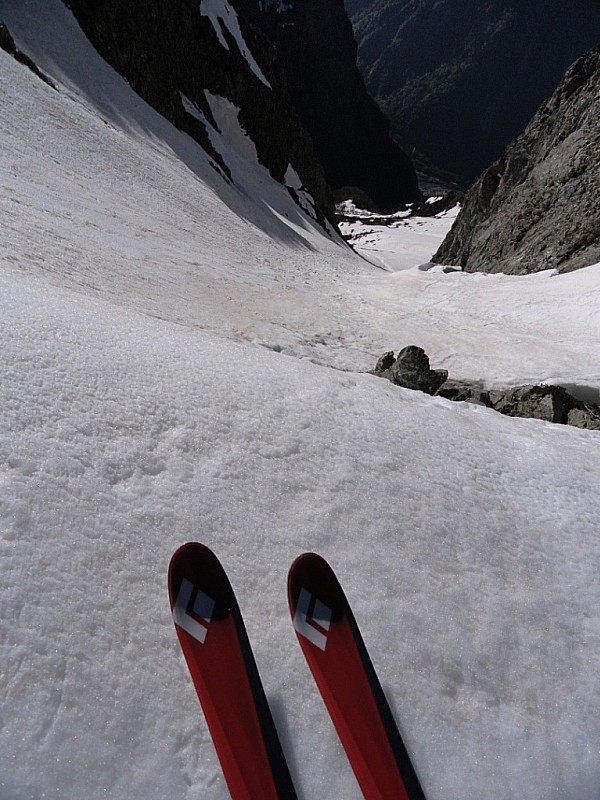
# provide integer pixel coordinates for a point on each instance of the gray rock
(437, 378)
(411, 370)
(385, 362)
(551, 403)
(466, 392)
(537, 207)
(587, 417)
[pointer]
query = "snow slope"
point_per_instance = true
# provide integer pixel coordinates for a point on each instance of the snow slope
(137, 412)
(376, 237)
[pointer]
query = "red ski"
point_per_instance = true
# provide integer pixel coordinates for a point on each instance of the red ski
(344, 673)
(216, 647)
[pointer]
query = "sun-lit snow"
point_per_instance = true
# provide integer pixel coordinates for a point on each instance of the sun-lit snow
(181, 360)
(376, 238)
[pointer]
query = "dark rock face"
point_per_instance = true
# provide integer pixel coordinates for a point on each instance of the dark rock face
(537, 207)
(168, 47)
(317, 50)
(460, 79)
(411, 370)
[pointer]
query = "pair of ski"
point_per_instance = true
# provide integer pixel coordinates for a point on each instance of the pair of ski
(218, 653)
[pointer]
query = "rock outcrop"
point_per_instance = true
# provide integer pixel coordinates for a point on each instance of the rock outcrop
(537, 207)
(551, 403)
(169, 48)
(411, 370)
(317, 50)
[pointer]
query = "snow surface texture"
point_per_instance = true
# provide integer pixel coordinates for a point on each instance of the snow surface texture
(136, 414)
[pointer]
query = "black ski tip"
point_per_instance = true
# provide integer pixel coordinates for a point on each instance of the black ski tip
(198, 564)
(312, 573)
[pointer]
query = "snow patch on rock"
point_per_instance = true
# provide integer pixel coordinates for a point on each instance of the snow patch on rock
(220, 12)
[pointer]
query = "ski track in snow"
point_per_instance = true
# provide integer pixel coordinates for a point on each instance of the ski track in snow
(137, 412)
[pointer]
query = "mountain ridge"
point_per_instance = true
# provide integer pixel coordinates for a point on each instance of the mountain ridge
(460, 80)
(316, 47)
(166, 50)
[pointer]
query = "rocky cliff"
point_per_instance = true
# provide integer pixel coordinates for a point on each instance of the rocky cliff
(538, 206)
(459, 79)
(169, 50)
(317, 50)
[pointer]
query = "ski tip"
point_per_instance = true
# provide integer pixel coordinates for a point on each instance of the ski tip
(312, 561)
(188, 552)
(306, 558)
(197, 565)
(190, 548)
(311, 576)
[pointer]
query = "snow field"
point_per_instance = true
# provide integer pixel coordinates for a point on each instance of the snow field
(466, 542)
(378, 243)
(137, 411)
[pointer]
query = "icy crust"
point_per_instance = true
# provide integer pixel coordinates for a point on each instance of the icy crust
(220, 11)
